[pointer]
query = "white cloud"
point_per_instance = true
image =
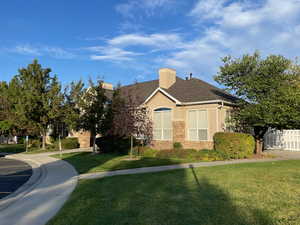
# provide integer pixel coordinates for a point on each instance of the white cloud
(129, 8)
(38, 50)
(245, 13)
(115, 49)
(25, 50)
(155, 40)
(58, 53)
(236, 28)
(112, 54)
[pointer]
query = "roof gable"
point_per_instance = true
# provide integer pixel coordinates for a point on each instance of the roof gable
(181, 92)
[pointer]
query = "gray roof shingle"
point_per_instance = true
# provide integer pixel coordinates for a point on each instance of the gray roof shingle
(192, 90)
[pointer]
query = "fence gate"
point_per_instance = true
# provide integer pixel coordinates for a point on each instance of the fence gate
(285, 140)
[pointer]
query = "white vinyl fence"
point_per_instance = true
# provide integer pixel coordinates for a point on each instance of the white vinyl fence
(284, 140)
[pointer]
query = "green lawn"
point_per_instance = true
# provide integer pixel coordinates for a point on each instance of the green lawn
(12, 148)
(20, 148)
(241, 194)
(85, 162)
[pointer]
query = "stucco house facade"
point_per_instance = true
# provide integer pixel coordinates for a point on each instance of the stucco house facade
(189, 111)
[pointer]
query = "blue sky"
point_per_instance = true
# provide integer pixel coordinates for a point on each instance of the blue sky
(129, 40)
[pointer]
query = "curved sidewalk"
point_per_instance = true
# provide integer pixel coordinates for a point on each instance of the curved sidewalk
(41, 199)
(278, 155)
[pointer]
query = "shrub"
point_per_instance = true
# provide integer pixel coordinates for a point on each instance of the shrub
(69, 143)
(144, 151)
(234, 145)
(114, 144)
(36, 143)
(176, 153)
(21, 140)
(177, 145)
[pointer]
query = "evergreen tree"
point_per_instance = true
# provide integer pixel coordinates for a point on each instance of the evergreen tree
(40, 100)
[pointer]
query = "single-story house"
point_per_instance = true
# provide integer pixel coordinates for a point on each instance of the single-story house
(189, 111)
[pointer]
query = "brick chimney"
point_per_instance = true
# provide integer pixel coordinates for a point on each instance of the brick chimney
(107, 86)
(167, 77)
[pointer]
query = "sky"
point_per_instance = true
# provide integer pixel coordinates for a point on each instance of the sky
(129, 40)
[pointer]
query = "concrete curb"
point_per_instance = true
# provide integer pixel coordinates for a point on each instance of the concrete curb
(37, 203)
(38, 172)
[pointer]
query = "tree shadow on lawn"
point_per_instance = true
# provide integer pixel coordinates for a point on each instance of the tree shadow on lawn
(87, 162)
(178, 197)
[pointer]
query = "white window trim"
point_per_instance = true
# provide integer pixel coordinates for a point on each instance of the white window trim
(188, 129)
(162, 129)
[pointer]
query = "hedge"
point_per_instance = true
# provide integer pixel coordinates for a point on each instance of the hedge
(70, 143)
(114, 144)
(234, 145)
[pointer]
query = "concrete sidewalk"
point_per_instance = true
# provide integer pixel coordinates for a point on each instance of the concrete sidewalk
(40, 201)
(278, 155)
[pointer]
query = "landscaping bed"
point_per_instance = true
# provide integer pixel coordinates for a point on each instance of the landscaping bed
(242, 194)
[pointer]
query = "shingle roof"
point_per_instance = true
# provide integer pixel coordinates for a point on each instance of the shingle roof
(192, 90)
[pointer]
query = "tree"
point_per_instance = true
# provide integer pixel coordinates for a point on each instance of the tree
(73, 95)
(268, 90)
(40, 98)
(92, 109)
(130, 119)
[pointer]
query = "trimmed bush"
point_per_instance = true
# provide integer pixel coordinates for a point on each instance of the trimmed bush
(114, 144)
(144, 151)
(177, 153)
(177, 145)
(69, 143)
(234, 145)
(36, 143)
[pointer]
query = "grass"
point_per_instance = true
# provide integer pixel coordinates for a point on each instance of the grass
(12, 148)
(241, 194)
(85, 162)
(20, 148)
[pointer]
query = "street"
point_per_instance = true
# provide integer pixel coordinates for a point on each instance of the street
(13, 174)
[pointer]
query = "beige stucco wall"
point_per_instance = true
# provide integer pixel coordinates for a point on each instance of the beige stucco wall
(216, 122)
(216, 119)
(83, 138)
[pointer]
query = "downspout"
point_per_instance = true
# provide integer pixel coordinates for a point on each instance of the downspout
(217, 117)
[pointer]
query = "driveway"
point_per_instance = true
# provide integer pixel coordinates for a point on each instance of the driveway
(13, 174)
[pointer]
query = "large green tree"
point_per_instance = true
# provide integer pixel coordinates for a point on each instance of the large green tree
(40, 98)
(268, 89)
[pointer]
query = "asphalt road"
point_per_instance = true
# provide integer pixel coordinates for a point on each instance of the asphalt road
(13, 174)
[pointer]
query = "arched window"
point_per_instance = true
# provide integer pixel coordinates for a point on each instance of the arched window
(162, 124)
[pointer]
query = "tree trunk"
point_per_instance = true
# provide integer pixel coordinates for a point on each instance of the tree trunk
(259, 133)
(44, 141)
(94, 143)
(131, 146)
(258, 146)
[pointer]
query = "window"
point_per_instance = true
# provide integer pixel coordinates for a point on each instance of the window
(162, 124)
(228, 121)
(198, 125)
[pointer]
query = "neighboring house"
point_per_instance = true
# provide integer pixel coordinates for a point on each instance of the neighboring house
(188, 111)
